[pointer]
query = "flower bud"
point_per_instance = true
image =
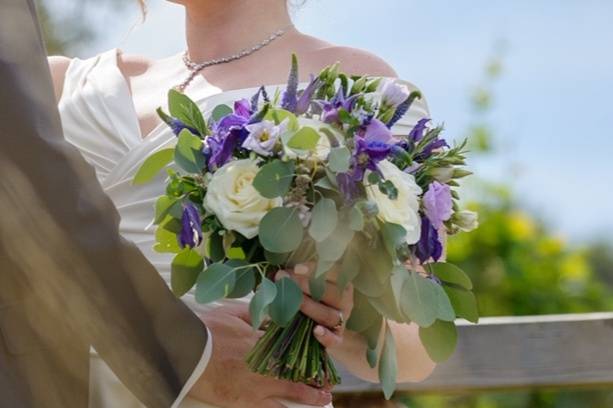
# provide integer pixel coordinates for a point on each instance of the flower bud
(466, 220)
(442, 174)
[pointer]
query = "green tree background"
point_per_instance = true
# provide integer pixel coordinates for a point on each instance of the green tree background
(517, 265)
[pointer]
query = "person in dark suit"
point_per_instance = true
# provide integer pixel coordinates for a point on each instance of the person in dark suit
(68, 281)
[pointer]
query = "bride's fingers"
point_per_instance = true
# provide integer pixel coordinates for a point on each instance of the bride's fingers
(327, 337)
(322, 314)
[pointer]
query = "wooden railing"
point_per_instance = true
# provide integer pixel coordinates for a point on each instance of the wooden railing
(570, 350)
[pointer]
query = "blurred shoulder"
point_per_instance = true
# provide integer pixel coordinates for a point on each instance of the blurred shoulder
(58, 65)
(356, 61)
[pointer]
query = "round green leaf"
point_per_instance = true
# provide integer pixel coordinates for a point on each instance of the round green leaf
(245, 279)
(188, 154)
(287, 302)
(274, 179)
(304, 139)
(450, 273)
(281, 230)
(152, 165)
(356, 219)
(333, 247)
(393, 236)
(167, 206)
(216, 282)
(324, 218)
(339, 159)
(363, 315)
(264, 296)
(463, 302)
(419, 300)
(278, 115)
(185, 268)
(439, 340)
(220, 111)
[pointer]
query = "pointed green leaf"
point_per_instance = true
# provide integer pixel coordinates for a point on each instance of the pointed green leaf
(167, 206)
(281, 230)
(188, 153)
(339, 159)
(152, 166)
(166, 239)
(186, 110)
(274, 179)
(363, 314)
(350, 268)
(287, 302)
(371, 357)
(185, 268)
(216, 282)
(324, 218)
(304, 139)
(439, 340)
(387, 365)
(264, 296)
(448, 272)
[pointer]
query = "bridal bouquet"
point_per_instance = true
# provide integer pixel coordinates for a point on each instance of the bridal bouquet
(316, 175)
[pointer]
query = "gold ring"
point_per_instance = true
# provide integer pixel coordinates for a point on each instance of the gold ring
(341, 321)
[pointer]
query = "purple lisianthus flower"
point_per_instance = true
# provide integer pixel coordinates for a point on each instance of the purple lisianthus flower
(228, 133)
(331, 108)
(191, 227)
(242, 107)
(438, 203)
(429, 245)
(263, 136)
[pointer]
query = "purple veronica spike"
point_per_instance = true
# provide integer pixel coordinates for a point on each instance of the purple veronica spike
(191, 227)
(403, 108)
(255, 99)
(290, 95)
(307, 95)
(331, 108)
(429, 245)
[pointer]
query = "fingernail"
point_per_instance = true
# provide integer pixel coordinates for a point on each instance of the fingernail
(319, 331)
(326, 395)
(281, 274)
(301, 269)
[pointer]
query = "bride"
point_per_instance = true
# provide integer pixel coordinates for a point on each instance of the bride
(107, 105)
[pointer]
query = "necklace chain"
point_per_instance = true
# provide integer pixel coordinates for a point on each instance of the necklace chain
(196, 67)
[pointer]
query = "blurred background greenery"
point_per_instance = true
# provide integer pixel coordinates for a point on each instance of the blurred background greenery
(518, 266)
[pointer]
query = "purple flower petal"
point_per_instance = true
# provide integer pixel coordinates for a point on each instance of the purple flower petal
(429, 245)
(307, 95)
(191, 227)
(418, 130)
(242, 108)
(438, 203)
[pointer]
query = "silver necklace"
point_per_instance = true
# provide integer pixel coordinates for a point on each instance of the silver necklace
(196, 67)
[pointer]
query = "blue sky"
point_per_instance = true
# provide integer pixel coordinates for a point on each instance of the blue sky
(553, 113)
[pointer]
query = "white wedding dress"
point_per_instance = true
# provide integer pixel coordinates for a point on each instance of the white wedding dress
(99, 118)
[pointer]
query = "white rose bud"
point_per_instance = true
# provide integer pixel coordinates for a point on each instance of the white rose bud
(404, 210)
(233, 199)
(466, 220)
(442, 174)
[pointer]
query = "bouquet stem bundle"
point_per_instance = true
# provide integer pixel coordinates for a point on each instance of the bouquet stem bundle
(293, 353)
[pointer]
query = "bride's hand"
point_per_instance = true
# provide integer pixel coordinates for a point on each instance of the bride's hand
(331, 311)
(228, 382)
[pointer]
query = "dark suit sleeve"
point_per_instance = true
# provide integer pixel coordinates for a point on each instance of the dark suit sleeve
(61, 231)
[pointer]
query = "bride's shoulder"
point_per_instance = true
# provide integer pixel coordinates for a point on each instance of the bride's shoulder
(355, 61)
(58, 65)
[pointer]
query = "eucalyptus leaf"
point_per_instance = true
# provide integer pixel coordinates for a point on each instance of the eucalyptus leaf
(356, 219)
(448, 272)
(216, 282)
(463, 302)
(287, 302)
(323, 266)
(393, 236)
(363, 315)
(317, 286)
(324, 218)
(276, 259)
(371, 357)
(281, 230)
(215, 248)
(419, 300)
(339, 159)
(274, 179)
(304, 139)
(387, 365)
(245, 279)
(333, 247)
(263, 297)
(278, 115)
(153, 165)
(350, 268)
(439, 340)
(185, 268)
(166, 240)
(188, 153)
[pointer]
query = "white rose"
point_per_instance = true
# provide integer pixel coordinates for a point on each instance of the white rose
(404, 210)
(322, 149)
(233, 199)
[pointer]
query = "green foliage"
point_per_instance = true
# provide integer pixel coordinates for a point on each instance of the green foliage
(152, 165)
(264, 296)
(216, 282)
(287, 302)
(274, 179)
(281, 230)
(186, 266)
(188, 154)
(323, 219)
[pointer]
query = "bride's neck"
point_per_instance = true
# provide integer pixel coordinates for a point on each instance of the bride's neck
(217, 29)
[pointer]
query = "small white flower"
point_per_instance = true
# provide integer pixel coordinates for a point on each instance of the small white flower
(263, 136)
(233, 199)
(392, 92)
(404, 210)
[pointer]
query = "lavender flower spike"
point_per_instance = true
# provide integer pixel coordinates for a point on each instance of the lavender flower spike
(290, 96)
(307, 95)
(403, 108)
